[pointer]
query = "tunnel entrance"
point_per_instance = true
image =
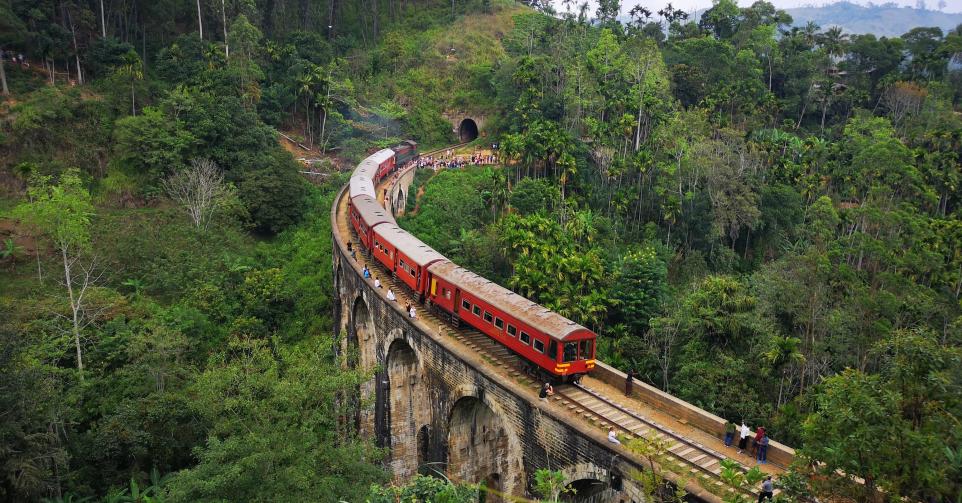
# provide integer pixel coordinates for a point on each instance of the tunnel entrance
(587, 491)
(468, 130)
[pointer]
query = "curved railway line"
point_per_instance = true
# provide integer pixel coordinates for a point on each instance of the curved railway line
(590, 403)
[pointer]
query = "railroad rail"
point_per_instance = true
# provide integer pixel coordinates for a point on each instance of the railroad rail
(580, 401)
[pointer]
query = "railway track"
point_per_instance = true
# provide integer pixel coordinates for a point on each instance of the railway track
(698, 460)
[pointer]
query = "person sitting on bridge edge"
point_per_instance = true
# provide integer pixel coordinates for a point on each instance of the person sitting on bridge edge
(744, 431)
(390, 295)
(768, 490)
(377, 282)
(366, 273)
(763, 449)
(613, 437)
(628, 382)
(411, 311)
(546, 391)
(729, 433)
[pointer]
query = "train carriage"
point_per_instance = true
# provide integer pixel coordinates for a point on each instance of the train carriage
(366, 213)
(405, 255)
(384, 159)
(556, 344)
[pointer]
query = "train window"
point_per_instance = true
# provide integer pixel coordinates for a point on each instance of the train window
(498, 322)
(553, 349)
(538, 346)
(477, 311)
(513, 332)
(586, 346)
(487, 317)
(447, 294)
(570, 352)
(466, 305)
(525, 338)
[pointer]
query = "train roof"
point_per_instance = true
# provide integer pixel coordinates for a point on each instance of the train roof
(409, 245)
(362, 185)
(381, 156)
(551, 323)
(371, 211)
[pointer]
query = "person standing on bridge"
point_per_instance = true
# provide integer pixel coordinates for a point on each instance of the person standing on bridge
(629, 380)
(768, 490)
(744, 431)
(729, 433)
(759, 434)
(763, 449)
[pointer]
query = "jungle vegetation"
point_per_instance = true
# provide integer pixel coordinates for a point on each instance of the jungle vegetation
(762, 219)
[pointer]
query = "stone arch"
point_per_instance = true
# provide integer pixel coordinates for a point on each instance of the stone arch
(467, 129)
(491, 490)
(361, 329)
(592, 483)
(589, 491)
(424, 451)
(400, 427)
(399, 201)
(479, 447)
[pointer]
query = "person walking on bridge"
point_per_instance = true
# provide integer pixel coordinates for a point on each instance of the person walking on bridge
(629, 380)
(768, 490)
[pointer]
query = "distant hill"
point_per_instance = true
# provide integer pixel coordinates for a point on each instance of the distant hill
(889, 20)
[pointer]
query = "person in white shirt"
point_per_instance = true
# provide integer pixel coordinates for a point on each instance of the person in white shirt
(743, 432)
(377, 282)
(390, 295)
(412, 312)
(612, 437)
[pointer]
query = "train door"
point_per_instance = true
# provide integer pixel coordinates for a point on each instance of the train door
(456, 309)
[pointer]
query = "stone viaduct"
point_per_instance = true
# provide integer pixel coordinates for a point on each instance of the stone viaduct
(436, 408)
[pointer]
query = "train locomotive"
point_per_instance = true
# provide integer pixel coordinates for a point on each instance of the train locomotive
(551, 344)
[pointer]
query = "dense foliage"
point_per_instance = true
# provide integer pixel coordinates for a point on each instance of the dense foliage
(760, 218)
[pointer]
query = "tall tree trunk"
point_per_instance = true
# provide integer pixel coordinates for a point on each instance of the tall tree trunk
(323, 127)
(223, 12)
(200, 21)
(3, 79)
(76, 49)
(75, 309)
(103, 22)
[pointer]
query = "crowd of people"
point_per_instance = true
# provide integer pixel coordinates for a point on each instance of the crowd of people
(453, 161)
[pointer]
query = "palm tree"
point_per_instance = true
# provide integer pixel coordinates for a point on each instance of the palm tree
(784, 351)
(834, 41)
(133, 70)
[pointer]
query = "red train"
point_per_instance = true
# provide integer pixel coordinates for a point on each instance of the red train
(549, 341)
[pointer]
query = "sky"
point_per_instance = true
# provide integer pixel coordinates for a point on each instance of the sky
(691, 5)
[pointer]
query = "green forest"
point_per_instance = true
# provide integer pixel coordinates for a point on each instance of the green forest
(760, 218)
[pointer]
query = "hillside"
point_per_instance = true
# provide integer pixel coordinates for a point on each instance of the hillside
(881, 20)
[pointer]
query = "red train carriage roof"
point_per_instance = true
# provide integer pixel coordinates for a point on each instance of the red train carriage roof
(371, 211)
(535, 315)
(409, 245)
